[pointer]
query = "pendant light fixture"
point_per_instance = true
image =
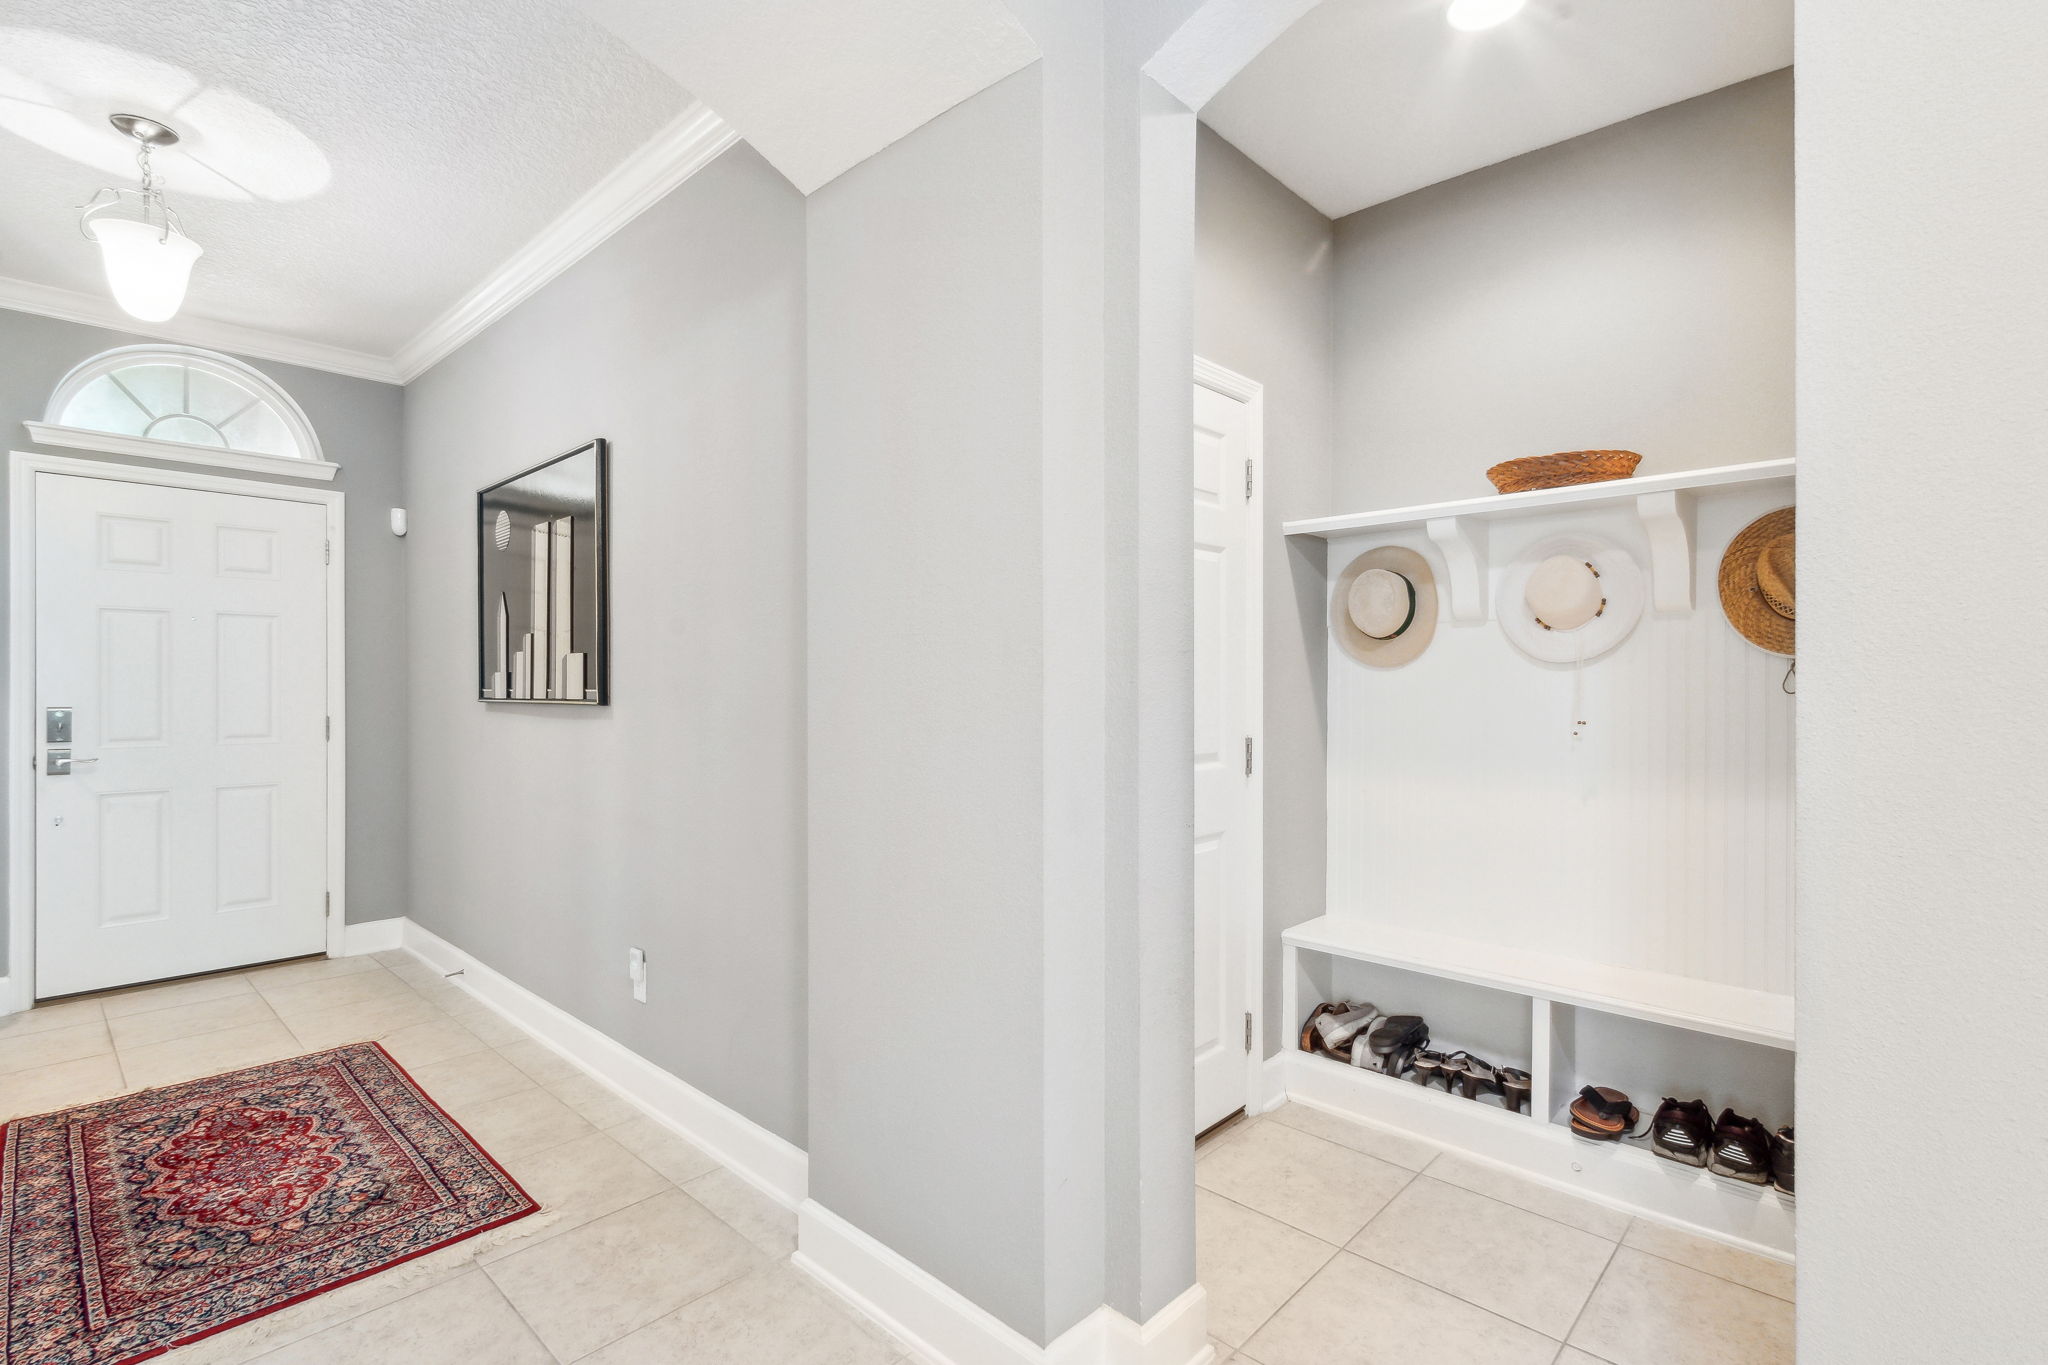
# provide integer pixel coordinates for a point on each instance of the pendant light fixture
(147, 256)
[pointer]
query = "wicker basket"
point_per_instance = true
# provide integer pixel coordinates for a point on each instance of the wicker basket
(1563, 469)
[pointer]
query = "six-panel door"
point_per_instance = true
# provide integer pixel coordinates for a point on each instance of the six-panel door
(1223, 652)
(186, 632)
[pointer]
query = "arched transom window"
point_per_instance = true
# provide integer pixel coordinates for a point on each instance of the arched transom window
(151, 399)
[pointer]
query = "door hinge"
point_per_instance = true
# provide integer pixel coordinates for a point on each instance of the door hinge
(1247, 480)
(1247, 755)
(326, 552)
(1247, 1030)
(328, 901)
(330, 727)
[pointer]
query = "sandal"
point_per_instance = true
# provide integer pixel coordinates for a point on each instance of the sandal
(1394, 1041)
(1452, 1068)
(1339, 1028)
(1427, 1064)
(1311, 1040)
(1602, 1114)
(1514, 1088)
(1479, 1078)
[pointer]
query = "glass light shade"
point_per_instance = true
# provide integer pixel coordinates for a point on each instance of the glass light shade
(1473, 15)
(147, 269)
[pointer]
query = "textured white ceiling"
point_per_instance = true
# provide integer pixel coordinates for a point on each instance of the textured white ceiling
(817, 86)
(354, 167)
(1364, 100)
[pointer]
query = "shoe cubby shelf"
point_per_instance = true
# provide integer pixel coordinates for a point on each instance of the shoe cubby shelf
(1459, 529)
(1701, 1006)
(1581, 1023)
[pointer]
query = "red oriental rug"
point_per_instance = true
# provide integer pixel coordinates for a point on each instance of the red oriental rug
(136, 1224)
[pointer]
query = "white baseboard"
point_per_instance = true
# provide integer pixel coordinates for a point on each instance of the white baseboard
(373, 936)
(1273, 1083)
(941, 1325)
(770, 1163)
(944, 1327)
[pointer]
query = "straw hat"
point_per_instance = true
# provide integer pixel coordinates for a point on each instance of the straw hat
(1757, 581)
(1570, 598)
(1383, 606)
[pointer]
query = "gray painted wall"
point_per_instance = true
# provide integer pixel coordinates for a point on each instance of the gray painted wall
(1630, 288)
(549, 840)
(1265, 307)
(926, 666)
(1923, 771)
(357, 421)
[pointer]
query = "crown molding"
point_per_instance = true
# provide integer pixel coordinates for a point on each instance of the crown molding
(25, 296)
(688, 143)
(684, 146)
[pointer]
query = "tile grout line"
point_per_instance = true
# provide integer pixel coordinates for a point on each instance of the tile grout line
(1700, 1270)
(612, 1341)
(1579, 1316)
(1336, 1250)
(1424, 1171)
(1334, 1246)
(191, 1037)
(1613, 1247)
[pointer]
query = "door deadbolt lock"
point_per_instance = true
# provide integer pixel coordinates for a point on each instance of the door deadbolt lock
(57, 725)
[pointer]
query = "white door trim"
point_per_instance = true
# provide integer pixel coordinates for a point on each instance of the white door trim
(1250, 901)
(23, 466)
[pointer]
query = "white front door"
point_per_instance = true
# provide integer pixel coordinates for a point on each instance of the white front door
(1224, 653)
(185, 633)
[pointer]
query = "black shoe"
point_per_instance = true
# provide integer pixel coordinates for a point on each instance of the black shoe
(1781, 1161)
(1683, 1131)
(1742, 1149)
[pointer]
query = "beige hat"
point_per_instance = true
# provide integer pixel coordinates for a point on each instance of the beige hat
(1757, 581)
(1570, 598)
(1383, 606)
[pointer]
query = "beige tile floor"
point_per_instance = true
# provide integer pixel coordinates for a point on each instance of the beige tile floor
(646, 1249)
(1321, 1241)
(1325, 1241)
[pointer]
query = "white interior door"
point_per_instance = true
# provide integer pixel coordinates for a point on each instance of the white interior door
(1224, 655)
(186, 633)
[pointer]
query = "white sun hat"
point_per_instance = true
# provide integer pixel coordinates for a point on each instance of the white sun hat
(1383, 607)
(1570, 598)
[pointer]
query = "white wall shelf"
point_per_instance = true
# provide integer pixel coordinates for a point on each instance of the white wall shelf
(1611, 492)
(1459, 529)
(1683, 1002)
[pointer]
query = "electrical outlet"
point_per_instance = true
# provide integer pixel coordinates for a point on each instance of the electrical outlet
(636, 968)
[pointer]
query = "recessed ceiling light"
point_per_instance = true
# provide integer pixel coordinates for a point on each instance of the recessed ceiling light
(1473, 15)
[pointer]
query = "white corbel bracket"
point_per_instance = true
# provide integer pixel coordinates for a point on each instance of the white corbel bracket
(1462, 543)
(1668, 523)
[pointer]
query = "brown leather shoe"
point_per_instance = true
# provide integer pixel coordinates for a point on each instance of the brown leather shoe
(1683, 1131)
(1742, 1149)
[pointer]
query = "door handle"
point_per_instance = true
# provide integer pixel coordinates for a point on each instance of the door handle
(59, 763)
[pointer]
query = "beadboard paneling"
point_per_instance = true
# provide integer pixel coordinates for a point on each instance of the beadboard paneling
(1660, 838)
